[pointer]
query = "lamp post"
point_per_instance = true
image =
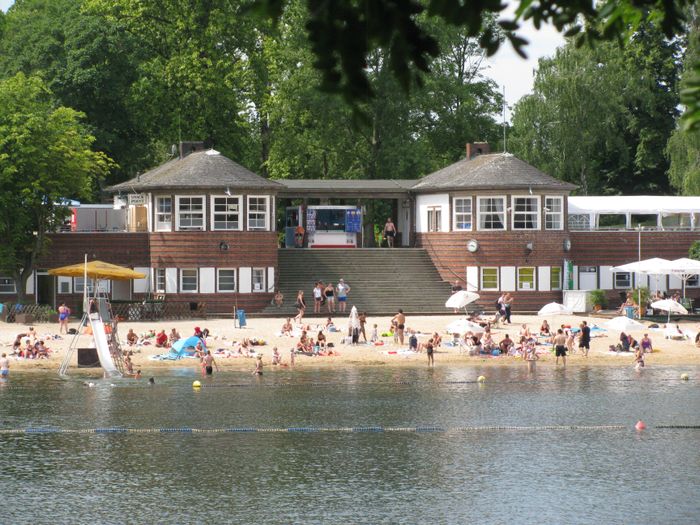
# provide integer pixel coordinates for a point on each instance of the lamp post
(639, 259)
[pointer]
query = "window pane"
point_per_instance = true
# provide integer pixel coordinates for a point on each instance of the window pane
(257, 213)
(526, 278)
(553, 213)
(191, 213)
(226, 213)
(160, 280)
(164, 213)
(188, 280)
(227, 280)
(489, 278)
(623, 280)
(525, 213)
(579, 222)
(492, 213)
(555, 278)
(258, 279)
(7, 285)
(463, 214)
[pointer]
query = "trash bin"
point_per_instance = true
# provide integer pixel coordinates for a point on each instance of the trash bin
(241, 318)
(629, 311)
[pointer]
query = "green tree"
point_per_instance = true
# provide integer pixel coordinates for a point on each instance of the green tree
(343, 34)
(597, 117)
(89, 64)
(683, 148)
(45, 158)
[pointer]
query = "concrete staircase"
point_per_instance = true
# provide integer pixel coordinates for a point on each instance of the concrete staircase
(382, 280)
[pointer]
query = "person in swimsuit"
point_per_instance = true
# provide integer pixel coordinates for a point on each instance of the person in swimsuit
(399, 320)
(208, 363)
(342, 291)
(531, 357)
(329, 292)
(389, 232)
(318, 297)
(429, 350)
(560, 346)
(63, 315)
(4, 366)
(258, 366)
(646, 344)
(363, 321)
(639, 358)
(584, 342)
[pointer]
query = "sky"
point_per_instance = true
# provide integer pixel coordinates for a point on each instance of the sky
(506, 67)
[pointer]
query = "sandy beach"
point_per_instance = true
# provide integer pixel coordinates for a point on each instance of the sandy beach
(223, 334)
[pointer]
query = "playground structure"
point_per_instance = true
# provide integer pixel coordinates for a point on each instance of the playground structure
(98, 319)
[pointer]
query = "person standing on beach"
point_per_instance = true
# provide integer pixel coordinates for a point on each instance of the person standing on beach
(329, 293)
(63, 315)
(301, 306)
(258, 366)
(343, 290)
(560, 346)
(507, 305)
(363, 321)
(389, 232)
(584, 342)
(399, 320)
(318, 296)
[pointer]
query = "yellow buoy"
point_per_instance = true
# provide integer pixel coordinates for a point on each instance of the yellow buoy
(196, 384)
(481, 379)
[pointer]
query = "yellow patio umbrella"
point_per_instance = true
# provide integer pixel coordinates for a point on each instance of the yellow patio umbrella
(97, 270)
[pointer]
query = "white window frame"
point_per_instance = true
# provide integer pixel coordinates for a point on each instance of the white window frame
(434, 218)
(178, 199)
(103, 285)
(622, 287)
(552, 285)
(693, 281)
(218, 280)
(498, 277)
(550, 213)
(11, 283)
(456, 214)
(479, 213)
(196, 277)
(249, 213)
(535, 213)
(263, 288)
(213, 213)
(518, 283)
(159, 225)
(157, 273)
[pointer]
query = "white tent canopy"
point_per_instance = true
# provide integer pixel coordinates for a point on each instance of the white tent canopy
(637, 204)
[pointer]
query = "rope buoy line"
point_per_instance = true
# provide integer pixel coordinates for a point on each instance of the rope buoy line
(310, 430)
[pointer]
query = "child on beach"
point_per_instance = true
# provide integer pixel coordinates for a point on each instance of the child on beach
(531, 357)
(276, 358)
(639, 358)
(375, 335)
(258, 366)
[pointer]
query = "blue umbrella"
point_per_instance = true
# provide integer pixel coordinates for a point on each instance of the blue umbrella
(180, 346)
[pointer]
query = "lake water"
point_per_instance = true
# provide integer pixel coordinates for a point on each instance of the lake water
(461, 474)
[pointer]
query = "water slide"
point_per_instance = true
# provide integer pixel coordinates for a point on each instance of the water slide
(102, 345)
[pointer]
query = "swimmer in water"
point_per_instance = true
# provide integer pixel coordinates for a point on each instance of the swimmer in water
(151, 381)
(639, 358)
(258, 366)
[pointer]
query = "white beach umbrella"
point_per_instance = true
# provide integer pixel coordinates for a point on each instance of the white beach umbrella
(353, 320)
(624, 324)
(461, 299)
(647, 266)
(554, 309)
(462, 326)
(670, 306)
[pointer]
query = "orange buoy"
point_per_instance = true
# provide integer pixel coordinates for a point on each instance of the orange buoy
(640, 425)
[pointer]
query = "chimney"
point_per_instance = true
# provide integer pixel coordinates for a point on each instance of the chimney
(187, 147)
(477, 148)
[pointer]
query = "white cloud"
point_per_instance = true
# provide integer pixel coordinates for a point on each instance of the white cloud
(5, 4)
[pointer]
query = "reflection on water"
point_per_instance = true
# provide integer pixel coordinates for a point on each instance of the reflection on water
(526, 476)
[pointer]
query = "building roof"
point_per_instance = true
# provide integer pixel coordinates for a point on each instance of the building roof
(493, 171)
(346, 188)
(637, 204)
(201, 169)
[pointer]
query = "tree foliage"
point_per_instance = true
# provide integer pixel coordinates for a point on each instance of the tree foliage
(599, 117)
(45, 158)
(683, 148)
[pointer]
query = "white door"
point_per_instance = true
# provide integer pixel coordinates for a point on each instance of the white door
(587, 278)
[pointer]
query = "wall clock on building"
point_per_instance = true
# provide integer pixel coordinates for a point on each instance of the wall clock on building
(472, 245)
